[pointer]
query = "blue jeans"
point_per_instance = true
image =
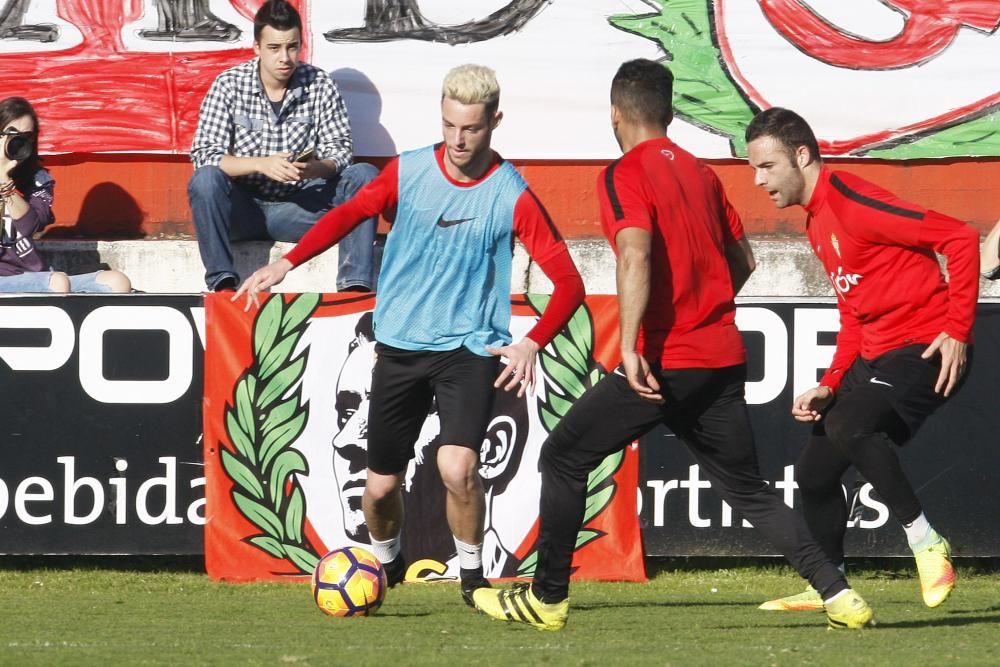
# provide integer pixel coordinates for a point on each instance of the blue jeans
(38, 281)
(224, 211)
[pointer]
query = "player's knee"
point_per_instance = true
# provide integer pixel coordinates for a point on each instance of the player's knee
(460, 474)
(814, 482)
(380, 487)
(816, 479)
(116, 281)
(59, 282)
(844, 429)
(555, 461)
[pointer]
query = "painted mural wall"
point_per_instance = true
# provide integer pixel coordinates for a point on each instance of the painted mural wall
(885, 78)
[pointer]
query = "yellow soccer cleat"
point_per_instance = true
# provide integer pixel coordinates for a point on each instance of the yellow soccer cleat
(519, 605)
(937, 576)
(849, 612)
(809, 600)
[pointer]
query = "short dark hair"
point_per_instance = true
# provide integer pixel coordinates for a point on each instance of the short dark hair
(643, 90)
(277, 14)
(11, 109)
(787, 127)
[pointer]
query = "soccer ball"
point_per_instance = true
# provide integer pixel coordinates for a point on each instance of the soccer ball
(349, 582)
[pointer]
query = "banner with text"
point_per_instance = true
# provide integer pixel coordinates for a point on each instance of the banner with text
(101, 423)
(100, 427)
(953, 463)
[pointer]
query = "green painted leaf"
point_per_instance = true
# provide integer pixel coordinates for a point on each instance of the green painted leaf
(979, 136)
(241, 475)
(265, 329)
(295, 514)
(538, 302)
(268, 544)
(571, 355)
(527, 566)
(239, 439)
(279, 414)
(597, 501)
(260, 516)
(581, 329)
(245, 411)
(285, 464)
(299, 311)
(607, 468)
(586, 536)
(562, 376)
(282, 381)
(280, 438)
(277, 356)
(559, 405)
(549, 420)
(704, 93)
(306, 561)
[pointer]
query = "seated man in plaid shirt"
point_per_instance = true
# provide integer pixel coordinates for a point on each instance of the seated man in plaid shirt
(272, 154)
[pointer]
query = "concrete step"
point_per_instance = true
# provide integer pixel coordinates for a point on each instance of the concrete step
(785, 266)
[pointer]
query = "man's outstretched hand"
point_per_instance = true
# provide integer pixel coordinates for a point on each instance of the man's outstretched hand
(262, 279)
(520, 368)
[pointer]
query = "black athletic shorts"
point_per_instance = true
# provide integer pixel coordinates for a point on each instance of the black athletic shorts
(900, 378)
(404, 383)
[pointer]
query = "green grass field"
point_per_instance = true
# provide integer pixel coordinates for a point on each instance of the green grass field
(86, 615)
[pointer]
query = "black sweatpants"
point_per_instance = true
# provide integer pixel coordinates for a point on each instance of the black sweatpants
(879, 406)
(706, 409)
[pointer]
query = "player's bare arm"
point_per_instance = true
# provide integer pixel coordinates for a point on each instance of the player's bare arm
(739, 257)
(262, 279)
(953, 361)
(520, 368)
(809, 406)
(633, 294)
(989, 255)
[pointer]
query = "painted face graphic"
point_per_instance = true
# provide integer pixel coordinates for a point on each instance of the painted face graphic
(350, 445)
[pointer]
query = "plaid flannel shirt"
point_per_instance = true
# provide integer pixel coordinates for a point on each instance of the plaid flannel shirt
(237, 119)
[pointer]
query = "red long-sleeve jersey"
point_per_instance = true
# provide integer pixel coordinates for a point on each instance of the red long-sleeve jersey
(879, 253)
(532, 226)
(690, 319)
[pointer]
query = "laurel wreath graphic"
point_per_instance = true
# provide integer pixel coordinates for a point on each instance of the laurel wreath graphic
(266, 417)
(569, 369)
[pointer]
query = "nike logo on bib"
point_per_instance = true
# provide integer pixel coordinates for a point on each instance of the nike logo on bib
(877, 381)
(451, 223)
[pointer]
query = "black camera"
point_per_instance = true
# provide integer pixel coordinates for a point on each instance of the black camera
(19, 145)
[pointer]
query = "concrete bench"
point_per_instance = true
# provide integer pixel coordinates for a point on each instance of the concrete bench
(785, 266)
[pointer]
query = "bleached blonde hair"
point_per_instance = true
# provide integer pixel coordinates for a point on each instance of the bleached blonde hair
(473, 84)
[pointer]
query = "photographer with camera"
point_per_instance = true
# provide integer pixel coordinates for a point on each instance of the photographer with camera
(26, 192)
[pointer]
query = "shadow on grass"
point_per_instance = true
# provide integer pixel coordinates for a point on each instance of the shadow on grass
(194, 563)
(949, 621)
(657, 604)
(889, 568)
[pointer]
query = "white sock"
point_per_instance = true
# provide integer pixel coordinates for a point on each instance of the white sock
(843, 592)
(470, 556)
(385, 550)
(917, 531)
